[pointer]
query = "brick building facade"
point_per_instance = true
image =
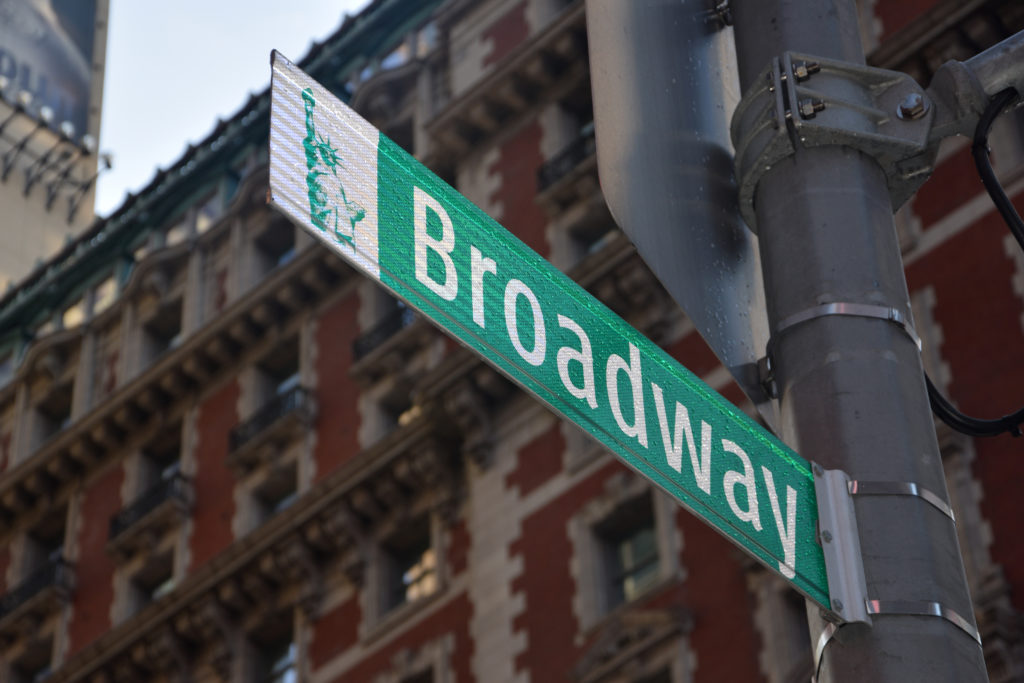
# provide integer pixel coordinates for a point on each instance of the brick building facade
(248, 463)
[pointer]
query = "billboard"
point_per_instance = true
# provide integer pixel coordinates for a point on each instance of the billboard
(46, 48)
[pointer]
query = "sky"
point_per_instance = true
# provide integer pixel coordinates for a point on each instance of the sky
(173, 67)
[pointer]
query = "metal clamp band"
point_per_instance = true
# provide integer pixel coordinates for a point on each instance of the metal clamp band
(823, 640)
(802, 101)
(893, 315)
(764, 365)
(900, 488)
(922, 609)
(895, 608)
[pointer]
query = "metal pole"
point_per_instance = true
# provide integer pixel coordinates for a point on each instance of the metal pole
(852, 393)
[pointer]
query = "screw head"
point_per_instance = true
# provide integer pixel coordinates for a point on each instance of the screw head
(826, 536)
(837, 604)
(913, 106)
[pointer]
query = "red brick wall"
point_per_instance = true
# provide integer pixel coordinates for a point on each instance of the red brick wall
(954, 182)
(335, 632)
(980, 317)
(452, 618)
(338, 414)
(458, 547)
(538, 461)
(715, 592)
(214, 482)
(6, 441)
(506, 33)
(94, 570)
(896, 14)
(694, 353)
(519, 157)
(547, 585)
(5, 562)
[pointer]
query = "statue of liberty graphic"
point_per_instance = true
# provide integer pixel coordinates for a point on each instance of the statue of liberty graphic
(335, 214)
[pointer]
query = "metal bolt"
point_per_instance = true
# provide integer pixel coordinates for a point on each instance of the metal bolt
(723, 13)
(803, 70)
(913, 106)
(837, 604)
(826, 536)
(808, 108)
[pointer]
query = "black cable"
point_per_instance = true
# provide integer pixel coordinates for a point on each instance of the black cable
(988, 177)
(946, 411)
(971, 426)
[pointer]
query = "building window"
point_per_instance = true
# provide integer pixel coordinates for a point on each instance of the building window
(178, 233)
(409, 565)
(33, 666)
(6, 366)
(73, 315)
(162, 332)
(275, 246)
(208, 211)
(104, 295)
(402, 134)
(278, 371)
(45, 542)
(161, 457)
(395, 315)
(278, 491)
(423, 677)
(53, 413)
(663, 676)
(154, 580)
(163, 497)
(279, 409)
(625, 544)
(276, 659)
(629, 549)
(780, 616)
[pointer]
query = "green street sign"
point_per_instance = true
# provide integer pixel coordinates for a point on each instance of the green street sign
(397, 222)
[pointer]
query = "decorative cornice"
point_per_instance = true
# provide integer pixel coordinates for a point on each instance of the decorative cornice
(212, 351)
(951, 29)
(547, 61)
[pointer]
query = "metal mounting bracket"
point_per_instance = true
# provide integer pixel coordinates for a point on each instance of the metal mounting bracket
(840, 544)
(807, 101)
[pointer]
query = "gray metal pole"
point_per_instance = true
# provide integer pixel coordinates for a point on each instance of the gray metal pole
(852, 393)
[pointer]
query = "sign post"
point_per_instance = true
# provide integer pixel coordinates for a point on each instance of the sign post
(850, 382)
(395, 221)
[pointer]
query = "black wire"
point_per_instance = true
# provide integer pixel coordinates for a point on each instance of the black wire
(988, 177)
(946, 411)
